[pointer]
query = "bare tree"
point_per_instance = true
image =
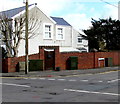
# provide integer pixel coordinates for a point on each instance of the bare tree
(13, 31)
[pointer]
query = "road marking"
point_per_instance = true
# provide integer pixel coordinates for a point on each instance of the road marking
(108, 71)
(84, 80)
(51, 79)
(100, 81)
(75, 75)
(10, 84)
(42, 78)
(33, 78)
(113, 80)
(84, 91)
(110, 81)
(25, 78)
(67, 75)
(61, 79)
(72, 80)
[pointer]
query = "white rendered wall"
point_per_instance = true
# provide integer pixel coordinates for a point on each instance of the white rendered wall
(36, 41)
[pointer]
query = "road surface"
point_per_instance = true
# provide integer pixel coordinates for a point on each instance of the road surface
(100, 87)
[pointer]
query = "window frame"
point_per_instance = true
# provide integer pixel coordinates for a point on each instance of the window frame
(62, 33)
(79, 42)
(44, 31)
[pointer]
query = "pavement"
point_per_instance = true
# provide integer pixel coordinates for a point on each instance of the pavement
(60, 73)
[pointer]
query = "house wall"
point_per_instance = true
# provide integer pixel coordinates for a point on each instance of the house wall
(38, 39)
(75, 43)
(84, 44)
(67, 41)
(85, 60)
(35, 41)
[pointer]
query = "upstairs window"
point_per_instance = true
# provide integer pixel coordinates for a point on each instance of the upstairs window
(47, 31)
(79, 39)
(60, 33)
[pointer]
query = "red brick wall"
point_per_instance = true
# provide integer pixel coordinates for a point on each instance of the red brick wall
(113, 55)
(89, 60)
(10, 64)
(85, 60)
(57, 57)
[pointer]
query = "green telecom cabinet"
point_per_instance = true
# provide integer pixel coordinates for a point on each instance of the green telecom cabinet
(35, 65)
(108, 62)
(73, 62)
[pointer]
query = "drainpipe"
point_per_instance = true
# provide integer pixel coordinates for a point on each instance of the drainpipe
(72, 36)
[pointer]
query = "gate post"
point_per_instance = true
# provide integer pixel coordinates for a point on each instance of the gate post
(57, 57)
(41, 55)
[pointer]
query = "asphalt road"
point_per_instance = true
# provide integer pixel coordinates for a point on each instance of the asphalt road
(101, 87)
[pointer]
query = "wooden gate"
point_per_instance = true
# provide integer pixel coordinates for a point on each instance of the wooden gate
(49, 60)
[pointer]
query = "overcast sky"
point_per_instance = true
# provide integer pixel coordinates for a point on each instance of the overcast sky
(76, 12)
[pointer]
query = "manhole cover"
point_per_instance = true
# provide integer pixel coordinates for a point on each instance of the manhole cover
(53, 93)
(25, 90)
(92, 83)
(38, 87)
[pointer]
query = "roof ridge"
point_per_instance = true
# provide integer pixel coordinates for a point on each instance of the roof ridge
(16, 8)
(60, 21)
(56, 17)
(12, 12)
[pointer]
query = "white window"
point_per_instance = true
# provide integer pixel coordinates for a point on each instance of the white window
(60, 33)
(79, 39)
(48, 31)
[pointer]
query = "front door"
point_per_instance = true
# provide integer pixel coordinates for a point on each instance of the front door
(49, 60)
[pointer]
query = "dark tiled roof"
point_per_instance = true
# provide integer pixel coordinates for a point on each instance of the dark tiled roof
(12, 12)
(60, 21)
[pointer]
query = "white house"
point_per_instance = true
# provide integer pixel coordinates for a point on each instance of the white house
(51, 31)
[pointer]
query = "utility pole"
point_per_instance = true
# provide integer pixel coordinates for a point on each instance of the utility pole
(119, 10)
(26, 39)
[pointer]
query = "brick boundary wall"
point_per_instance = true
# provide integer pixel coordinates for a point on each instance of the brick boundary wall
(85, 60)
(89, 60)
(10, 64)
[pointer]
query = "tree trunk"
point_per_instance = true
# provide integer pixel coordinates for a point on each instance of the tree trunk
(15, 50)
(8, 52)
